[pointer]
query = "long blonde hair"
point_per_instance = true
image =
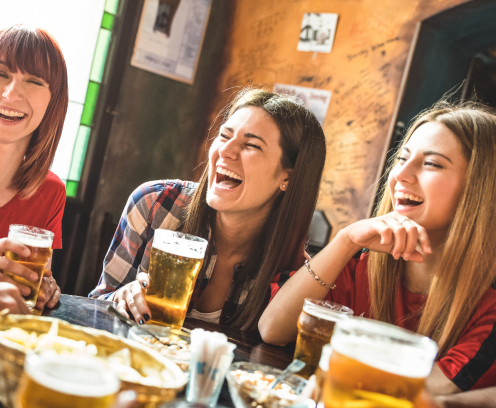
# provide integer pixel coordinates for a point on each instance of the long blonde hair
(467, 266)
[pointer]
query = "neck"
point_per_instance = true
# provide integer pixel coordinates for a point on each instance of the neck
(235, 233)
(418, 276)
(11, 156)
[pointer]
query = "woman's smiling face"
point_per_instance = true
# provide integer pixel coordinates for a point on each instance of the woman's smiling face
(24, 99)
(427, 181)
(245, 172)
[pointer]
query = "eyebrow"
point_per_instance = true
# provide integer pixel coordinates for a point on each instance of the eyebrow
(431, 152)
(249, 135)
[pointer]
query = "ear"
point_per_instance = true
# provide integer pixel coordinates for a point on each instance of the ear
(284, 179)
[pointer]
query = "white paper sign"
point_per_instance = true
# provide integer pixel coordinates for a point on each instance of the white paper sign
(170, 36)
(317, 100)
(317, 32)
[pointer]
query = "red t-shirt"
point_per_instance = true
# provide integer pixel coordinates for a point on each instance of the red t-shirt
(470, 364)
(44, 209)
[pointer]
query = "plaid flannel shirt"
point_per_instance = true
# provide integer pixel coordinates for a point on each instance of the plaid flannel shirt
(155, 204)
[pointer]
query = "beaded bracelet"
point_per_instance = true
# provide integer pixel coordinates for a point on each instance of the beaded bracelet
(317, 278)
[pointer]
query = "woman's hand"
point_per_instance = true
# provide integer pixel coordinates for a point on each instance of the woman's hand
(49, 291)
(131, 298)
(10, 298)
(393, 234)
(13, 267)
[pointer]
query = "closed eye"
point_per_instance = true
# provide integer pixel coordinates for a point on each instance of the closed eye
(433, 165)
(253, 145)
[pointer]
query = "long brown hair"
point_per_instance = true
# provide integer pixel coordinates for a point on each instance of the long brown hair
(467, 268)
(280, 243)
(35, 51)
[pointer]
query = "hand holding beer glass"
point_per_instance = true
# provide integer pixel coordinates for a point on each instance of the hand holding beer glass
(175, 260)
(375, 364)
(39, 242)
(315, 327)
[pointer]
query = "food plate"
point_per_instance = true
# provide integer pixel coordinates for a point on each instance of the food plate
(175, 343)
(142, 359)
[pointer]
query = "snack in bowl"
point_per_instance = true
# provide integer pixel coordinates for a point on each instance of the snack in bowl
(174, 344)
(248, 384)
(152, 377)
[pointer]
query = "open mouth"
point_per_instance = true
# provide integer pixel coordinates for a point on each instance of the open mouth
(408, 200)
(227, 179)
(11, 116)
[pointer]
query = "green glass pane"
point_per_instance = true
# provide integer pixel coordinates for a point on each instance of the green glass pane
(111, 6)
(71, 188)
(107, 21)
(100, 55)
(90, 104)
(79, 153)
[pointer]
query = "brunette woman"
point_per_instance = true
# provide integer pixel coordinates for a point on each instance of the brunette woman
(33, 104)
(254, 204)
(429, 266)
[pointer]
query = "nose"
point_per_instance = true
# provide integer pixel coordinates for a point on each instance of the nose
(12, 91)
(229, 149)
(405, 172)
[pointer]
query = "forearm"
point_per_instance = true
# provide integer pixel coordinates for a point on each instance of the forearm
(278, 322)
(484, 398)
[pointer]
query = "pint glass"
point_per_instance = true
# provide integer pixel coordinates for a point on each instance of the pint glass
(56, 381)
(175, 260)
(375, 364)
(39, 242)
(315, 327)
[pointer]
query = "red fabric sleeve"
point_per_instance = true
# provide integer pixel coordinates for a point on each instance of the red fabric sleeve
(470, 364)
(57, 196)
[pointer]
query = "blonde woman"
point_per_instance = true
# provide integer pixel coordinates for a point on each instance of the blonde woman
(429, 265)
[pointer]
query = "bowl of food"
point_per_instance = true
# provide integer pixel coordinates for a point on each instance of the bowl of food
(248, 384)
(174, 344)
(152, 377)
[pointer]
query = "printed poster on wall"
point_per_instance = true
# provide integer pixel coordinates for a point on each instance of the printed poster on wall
(317, 32)
(170, 36)
(317, 100)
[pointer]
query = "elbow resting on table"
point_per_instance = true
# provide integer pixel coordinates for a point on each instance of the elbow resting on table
(271, 334)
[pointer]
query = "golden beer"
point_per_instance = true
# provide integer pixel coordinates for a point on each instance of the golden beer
(376, 365)
(39, 242)
(315, 327)
(175, 261)
(53, 381)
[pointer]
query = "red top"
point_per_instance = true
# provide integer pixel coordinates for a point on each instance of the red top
(43, 210)
(470, 364)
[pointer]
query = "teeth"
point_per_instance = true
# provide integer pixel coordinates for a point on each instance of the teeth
(11, 113)
(228, 173)
(411, 197)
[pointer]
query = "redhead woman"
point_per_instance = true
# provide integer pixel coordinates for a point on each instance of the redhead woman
(428, 265)
(254, 204)
(33, 104)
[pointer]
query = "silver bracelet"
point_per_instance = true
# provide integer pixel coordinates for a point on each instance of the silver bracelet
(330, 287)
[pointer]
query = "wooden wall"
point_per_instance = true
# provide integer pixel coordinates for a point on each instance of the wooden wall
(364, 72)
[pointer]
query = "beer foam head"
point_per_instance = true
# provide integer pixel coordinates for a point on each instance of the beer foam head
(323, 309)
(81, 376)
(385, 347)
(180, 244)
(31, 236)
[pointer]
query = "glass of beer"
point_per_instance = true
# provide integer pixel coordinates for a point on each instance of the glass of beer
(39, 242)
(175, 260)
(315, 327)
(375, 364)
(60, 381)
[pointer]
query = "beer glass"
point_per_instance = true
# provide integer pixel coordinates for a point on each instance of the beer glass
(175, 260)
(56, 381)
(375, 364)
(39, 242)
(315, 327)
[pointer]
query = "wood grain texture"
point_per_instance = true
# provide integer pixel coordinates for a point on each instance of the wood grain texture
(363, 71)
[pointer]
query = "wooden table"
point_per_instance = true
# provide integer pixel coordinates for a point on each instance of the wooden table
(249, 346)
